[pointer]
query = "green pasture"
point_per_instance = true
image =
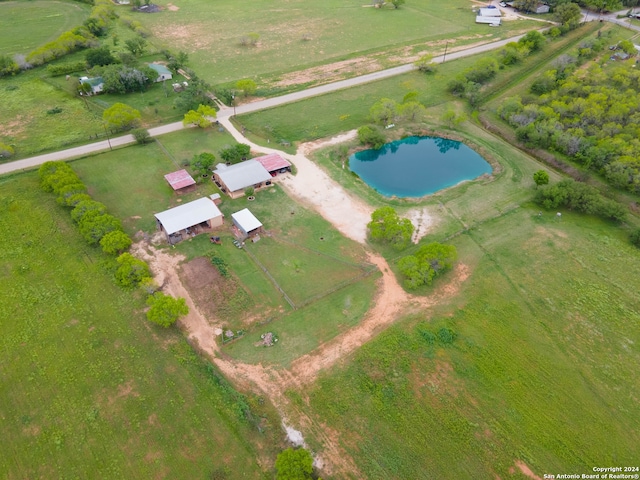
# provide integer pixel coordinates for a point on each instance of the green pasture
(27, 25)
(89, 387)
(302, 331)
(543, 368)
(335, 29)
(336, 112)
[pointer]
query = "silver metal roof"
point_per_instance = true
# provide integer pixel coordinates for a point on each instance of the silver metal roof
(188, 215)
(242, 175)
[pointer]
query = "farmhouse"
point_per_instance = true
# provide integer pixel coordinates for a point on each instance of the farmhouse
(180, 181)
(234, 179)
(246, 223)
(163, 72)
(274, 164)
(96, 84)
(189, 219)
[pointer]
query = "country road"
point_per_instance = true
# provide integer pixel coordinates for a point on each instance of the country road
(226, 112)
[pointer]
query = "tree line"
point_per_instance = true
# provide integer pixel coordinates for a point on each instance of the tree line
(98, 227)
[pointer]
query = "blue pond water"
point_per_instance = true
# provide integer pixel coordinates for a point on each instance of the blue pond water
(417, 166)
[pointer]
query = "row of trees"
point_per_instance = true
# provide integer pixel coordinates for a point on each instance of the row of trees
(98, 227)
(592, 116)
(426, 263)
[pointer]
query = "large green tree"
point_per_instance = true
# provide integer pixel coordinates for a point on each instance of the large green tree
(541, 177)
(384, 111)
(294, 464)
(165, 310)
(115, 242)
(200, 117)
(387, 227)
(568, 14)
(121, 117)
(246, 86)
(429, 261)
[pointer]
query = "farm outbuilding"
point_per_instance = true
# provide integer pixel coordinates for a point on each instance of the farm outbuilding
(96, 84)
(195, 217)
(489, 12)
(163, 72)
(542, 9)
(180, 180)
(246, 223)
(234, 179)
(274, 164)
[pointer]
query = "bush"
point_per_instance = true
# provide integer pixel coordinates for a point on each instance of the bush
(446, 336)
(66, 68)
(635, 237)
(93, 227)
(372, 136)
(294, 464)
(165, 310)
(115, 242)
(6, 151)
(131, 271)
(141, 135)
(387, 227)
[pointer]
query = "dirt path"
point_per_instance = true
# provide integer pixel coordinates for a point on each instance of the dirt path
(350, 215)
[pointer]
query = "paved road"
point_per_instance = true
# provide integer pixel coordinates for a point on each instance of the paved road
(83, 150)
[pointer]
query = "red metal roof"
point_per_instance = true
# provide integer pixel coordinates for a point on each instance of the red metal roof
(272, 162)
(179, 179)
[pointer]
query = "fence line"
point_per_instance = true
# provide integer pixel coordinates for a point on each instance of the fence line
(273, 280)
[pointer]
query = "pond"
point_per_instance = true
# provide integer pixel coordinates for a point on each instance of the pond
(417, 166)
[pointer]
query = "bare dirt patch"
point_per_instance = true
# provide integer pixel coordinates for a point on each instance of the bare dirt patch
(173, 8)
(331, 72)
(526, 470)
(205, 285)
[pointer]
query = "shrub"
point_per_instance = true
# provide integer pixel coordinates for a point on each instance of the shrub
(446, 336)
(93, 227)
(635, 237)
(131, 271)
(141, 135)
(165, 310)
(372, 136)
(6, 151)
(115, 242)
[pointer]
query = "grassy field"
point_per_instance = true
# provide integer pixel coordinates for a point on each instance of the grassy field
(27, 25)
(302, 331)
(543, 368)
(302, 34)
(90, 388)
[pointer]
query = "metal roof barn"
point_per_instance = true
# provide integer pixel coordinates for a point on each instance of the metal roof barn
(245, 221)
(273, 162)
(179, 179)
(489, 12)
(242, 175)
(188, 215)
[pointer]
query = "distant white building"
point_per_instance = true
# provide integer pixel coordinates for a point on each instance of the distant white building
(96, 84)
(489, 12)
(163, 72)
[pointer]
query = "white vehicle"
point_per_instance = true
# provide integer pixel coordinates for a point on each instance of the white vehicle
(502, 4)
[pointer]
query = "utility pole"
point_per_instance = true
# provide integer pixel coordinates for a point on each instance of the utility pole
(444, 57)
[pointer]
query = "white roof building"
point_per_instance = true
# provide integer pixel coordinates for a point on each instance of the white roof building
(245, 221)
(190, 214)
(489, 12)
(235, 178)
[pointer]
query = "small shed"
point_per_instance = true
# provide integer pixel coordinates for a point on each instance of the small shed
(234, 179)
(180, 180)
(96, 84)
(163, 72)
(189, 219)
(274, 164)
(490, 12)
(247, 224)
(542, 9)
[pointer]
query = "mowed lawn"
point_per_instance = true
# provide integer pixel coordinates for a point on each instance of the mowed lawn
(300, 33)
(28, 25)
(89, 387)
(543, 369)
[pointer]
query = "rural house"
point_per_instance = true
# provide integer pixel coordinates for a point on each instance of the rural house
(189, 219)
(163, 72)
(246, 223)
(274, 164)
(180, 181)
(96, 84)
(234, 179)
